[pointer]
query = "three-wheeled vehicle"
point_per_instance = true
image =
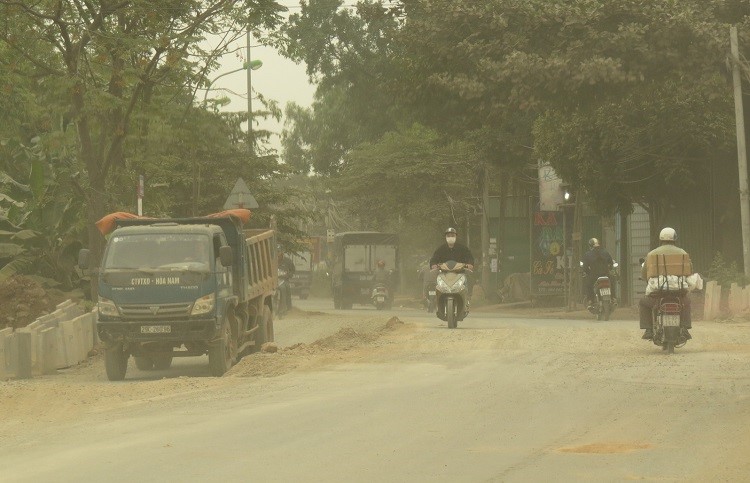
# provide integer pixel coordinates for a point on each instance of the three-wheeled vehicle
(354, 262)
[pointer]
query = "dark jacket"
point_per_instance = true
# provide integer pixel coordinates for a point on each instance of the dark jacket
(459, 253)
(597, 262)
(287, 264)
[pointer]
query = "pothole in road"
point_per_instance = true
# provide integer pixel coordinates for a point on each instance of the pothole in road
(606, 448)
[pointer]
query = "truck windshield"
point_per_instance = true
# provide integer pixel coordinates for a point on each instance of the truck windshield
(158, 251)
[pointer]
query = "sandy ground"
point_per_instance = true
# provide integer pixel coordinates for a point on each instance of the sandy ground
(372, 396)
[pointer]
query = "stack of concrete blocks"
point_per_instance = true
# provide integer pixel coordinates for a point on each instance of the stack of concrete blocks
(712, 305)
(54, 341)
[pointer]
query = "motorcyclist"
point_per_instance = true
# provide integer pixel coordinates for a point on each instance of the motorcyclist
(596, 262)
(667, 238)
(452, 250)
(383, 276)
(286, 264)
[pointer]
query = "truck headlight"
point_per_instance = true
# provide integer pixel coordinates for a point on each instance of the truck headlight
(203, 305)
(107, 308)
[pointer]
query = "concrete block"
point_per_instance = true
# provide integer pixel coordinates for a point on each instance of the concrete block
(734, 299)
(33, 331)
(50, 320)
(708, 305)
(717, 300)
(23, 355)
(81, 341)
(11, 354)
(64, 304)
(61, 360)
(70, 343)
(4, 373)
(49, 340)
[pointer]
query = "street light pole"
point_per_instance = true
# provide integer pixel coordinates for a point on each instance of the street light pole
(208, 88)
(249, 65)
(249, 97)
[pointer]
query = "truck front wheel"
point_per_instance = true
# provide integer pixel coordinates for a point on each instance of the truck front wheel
(116, 362)
(223, 352)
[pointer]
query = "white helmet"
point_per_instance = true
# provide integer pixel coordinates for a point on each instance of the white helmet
(667, 234)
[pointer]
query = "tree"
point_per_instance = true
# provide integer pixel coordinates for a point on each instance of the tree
(411, 182)
(101, 60)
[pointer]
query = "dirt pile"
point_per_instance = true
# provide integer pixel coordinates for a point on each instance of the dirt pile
(339, 347)
(22, 300)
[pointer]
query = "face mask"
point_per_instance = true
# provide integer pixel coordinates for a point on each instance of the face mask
(450, 239)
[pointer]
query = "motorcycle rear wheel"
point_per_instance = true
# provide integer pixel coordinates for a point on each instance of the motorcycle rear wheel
(450, 313)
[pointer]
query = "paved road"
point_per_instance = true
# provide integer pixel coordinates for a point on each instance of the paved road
(499, 399)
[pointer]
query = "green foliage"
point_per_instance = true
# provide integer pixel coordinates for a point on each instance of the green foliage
(726, 273)
(96, 67)
(628, 101)
(42, 227)
(411, 182)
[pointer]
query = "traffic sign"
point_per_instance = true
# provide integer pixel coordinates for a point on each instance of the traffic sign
(240, 197)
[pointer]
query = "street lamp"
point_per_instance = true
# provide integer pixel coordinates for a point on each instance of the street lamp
(253, 64)
(249, 66)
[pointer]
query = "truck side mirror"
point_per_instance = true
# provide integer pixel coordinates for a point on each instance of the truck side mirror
(226, 256)
(83, 258)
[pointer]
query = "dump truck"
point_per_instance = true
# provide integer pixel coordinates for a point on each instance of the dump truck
(184, 287)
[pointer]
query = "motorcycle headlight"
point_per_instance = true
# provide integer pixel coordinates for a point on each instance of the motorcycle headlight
(107, 308)
(442, 286)
(203, 305)
(459, 284)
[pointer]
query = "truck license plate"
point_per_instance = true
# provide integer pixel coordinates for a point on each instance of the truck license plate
(604, 291)
(432, 292)
(156, 329)
(671, 320)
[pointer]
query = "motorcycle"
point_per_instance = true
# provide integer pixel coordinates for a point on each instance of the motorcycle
(668, 332)
(605, 301)
(280, 297)
(381, 298)
(452, 292)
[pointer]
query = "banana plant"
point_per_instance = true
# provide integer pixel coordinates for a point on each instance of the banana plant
(40, 220)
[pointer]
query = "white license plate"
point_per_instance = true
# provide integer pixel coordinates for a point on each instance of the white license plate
(432, 292)
(156, 329)
(604, 291)
(381, 299)
(670, 320)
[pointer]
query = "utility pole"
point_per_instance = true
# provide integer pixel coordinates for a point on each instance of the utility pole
(741, 149)
(249, 97)
(485, 230)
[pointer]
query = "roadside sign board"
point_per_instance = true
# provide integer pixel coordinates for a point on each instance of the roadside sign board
(547, 253)
(240, 197)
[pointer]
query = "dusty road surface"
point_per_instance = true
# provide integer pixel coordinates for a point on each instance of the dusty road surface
(352, 396)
